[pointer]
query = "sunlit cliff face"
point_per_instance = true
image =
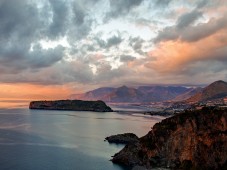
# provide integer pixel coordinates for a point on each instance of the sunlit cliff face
(49, 49)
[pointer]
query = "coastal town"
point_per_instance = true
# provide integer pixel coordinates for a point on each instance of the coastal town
(171, 108)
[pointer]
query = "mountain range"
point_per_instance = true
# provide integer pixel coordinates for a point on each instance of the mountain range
(159, 93)
(126, 94)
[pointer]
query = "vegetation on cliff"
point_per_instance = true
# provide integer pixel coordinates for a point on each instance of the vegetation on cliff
(191, 140)
(76, 105)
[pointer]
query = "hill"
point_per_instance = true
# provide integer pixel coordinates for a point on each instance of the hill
(188, 94)
(215, 90)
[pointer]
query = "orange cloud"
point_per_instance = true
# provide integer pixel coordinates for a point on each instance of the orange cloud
(173, 56)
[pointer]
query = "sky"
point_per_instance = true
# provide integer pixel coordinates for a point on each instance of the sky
(52, 48)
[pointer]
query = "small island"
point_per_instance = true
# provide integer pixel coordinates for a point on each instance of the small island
(125, 138)
(74, 105)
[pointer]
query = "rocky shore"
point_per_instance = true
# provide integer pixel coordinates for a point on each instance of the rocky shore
(125, 138)
(75, 105)
(191, 140)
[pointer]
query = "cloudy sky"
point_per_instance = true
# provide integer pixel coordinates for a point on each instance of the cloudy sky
(51, 48)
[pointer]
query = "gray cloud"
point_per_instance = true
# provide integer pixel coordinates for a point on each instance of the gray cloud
(18, 20)
(121, 7)
(20, 26)
(188, 18)
(98, 42)
(202, 4)
(60, 12)
(162, 2)
(24, 23)
(113, 41)
(39, 57)
(126, 58)
(136, 43)
(219, 54)
(192, 33)
(79, 14)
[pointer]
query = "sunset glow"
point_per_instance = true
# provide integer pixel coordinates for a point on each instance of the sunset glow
(51, 49)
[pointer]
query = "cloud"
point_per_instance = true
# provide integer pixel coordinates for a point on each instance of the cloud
(136, 43)
(121, 7)
(79, 14)
(25, 23)
(19, 19)
(99, 43)
(187, 19)
(118, 50)
(202, 4)
(162, 2)
(126, 58)
(59, 24)
(39, 57)
(113, 41)
(176, 57)
(192, 33)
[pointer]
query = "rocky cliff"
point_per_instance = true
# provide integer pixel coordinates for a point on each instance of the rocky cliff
(191, 140)
(76, 105)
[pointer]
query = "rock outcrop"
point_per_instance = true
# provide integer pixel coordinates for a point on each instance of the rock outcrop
(76, 105)
(125, 138)
(191, 140)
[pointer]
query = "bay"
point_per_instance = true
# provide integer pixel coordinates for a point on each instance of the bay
(64, 140)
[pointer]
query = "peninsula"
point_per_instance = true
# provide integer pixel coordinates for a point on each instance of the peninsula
(75, 105)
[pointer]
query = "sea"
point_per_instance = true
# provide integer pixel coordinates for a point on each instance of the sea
(64, 140)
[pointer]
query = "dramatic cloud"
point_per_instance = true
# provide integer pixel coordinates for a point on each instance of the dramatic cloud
(115, 40)
(162, 2)
(126, 58)
(192, 33)
(179, 57)
(121, 7)
(79, 44)
(187, 19)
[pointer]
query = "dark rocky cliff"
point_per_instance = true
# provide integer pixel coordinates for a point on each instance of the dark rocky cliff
(191, 140)
(76, 105)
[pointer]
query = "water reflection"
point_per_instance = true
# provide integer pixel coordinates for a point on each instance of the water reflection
(38, 139)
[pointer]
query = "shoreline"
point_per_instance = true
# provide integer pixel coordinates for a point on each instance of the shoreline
(144, 113)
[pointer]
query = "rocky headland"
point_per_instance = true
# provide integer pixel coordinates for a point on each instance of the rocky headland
(191, 140)
(75, 105)
(125, 138)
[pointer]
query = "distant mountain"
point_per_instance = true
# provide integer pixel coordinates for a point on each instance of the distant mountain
(215, 90)
(188, 94)
(161, 93)
(94, 94)
(126, 94)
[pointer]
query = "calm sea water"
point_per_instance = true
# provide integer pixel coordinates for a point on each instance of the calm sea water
(63, 140)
